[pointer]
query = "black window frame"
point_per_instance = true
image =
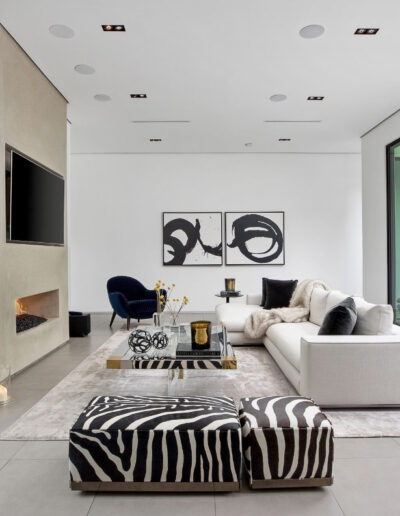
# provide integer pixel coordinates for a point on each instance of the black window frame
(391, 239)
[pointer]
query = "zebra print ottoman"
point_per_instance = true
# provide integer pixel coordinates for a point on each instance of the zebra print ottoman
(287, 442)
(140, 443)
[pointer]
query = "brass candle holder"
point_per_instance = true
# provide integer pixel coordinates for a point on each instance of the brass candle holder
(201, 334)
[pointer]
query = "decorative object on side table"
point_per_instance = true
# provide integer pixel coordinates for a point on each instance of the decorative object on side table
(201, 334)
(254, 238)
(5, 383)
(229, 290)
(230, 284)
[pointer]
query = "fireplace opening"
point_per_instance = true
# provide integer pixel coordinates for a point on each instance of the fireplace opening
(31, 311)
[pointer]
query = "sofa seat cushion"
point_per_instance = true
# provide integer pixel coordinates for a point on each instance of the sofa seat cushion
(143, 439)
(233, 315)
(287, 337)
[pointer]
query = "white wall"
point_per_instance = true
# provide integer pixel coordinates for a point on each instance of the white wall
(116, 202)
(374, 207)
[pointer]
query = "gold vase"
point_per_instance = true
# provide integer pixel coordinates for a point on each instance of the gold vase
(201, 334)
(230, 284)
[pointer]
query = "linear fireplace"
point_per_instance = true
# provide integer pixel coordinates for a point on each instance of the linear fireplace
(31, 311)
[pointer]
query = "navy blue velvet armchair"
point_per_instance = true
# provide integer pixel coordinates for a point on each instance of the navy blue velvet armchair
(130, 299)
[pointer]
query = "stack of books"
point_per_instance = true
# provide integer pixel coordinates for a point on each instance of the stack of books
(185, 350)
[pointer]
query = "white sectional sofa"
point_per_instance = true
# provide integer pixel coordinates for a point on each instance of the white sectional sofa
(362, 369)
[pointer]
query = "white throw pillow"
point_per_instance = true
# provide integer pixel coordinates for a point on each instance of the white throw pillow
(334, 298)
(373, 319)
(319, 297)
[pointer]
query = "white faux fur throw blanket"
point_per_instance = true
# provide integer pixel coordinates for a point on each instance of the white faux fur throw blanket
(298, 310)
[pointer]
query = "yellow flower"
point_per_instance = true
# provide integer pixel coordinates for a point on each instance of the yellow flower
(161, 297)
(173, 284)
(163, 284)
(168, 299)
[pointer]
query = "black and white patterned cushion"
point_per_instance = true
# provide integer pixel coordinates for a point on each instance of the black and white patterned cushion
(156, 439)
(286, 438)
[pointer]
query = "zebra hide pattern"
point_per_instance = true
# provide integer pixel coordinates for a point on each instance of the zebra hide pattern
(156, 439)
(285, 438)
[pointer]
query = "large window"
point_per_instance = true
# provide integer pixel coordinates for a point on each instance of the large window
(393, 198)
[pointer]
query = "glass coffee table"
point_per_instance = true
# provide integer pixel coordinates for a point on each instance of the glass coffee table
(167, 359)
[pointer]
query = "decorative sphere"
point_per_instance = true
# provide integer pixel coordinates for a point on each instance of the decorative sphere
(160, 340)
(139, 341)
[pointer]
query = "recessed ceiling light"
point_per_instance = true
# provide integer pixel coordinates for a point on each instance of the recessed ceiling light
(315, 98)
(84, 69)
(155, 139)
(366, 32)
(312, 31)
(285, 139)
(279, 97)
(248, 144)
(138, 96)
(61, 31)
(102, 97)
(113, 28)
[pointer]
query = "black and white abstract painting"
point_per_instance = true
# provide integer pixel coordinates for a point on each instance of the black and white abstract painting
(192, 238)
(254, 238)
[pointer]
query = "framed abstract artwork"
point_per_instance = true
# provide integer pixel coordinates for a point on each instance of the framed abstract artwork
(255, 238)
(192, 238)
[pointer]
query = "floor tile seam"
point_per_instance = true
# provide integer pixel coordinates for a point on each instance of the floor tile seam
(337, 501)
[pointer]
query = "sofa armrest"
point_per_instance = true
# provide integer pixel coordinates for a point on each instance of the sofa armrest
(351, 370)
(253, 299)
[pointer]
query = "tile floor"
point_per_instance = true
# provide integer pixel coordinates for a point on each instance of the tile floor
(34, 474)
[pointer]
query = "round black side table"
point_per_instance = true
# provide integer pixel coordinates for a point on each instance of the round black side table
(228, 295)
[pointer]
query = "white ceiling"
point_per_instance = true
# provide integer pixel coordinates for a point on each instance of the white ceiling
(216, 63)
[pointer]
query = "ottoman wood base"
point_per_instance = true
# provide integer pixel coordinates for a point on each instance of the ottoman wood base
(155, 486)
(281, 483)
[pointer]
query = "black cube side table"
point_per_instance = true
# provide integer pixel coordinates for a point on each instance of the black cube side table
(79, 324)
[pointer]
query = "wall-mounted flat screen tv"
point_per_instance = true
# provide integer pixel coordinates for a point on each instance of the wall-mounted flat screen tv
(35, 202)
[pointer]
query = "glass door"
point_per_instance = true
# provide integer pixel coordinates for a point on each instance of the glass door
(393, 203)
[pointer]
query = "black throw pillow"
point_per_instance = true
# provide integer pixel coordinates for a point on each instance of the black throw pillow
(264, 291)
(340, 319)
(277, 292)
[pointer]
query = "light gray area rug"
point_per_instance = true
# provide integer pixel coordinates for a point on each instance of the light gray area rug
(257, 375)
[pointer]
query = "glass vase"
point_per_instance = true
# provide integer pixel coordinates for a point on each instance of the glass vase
(174, 319)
